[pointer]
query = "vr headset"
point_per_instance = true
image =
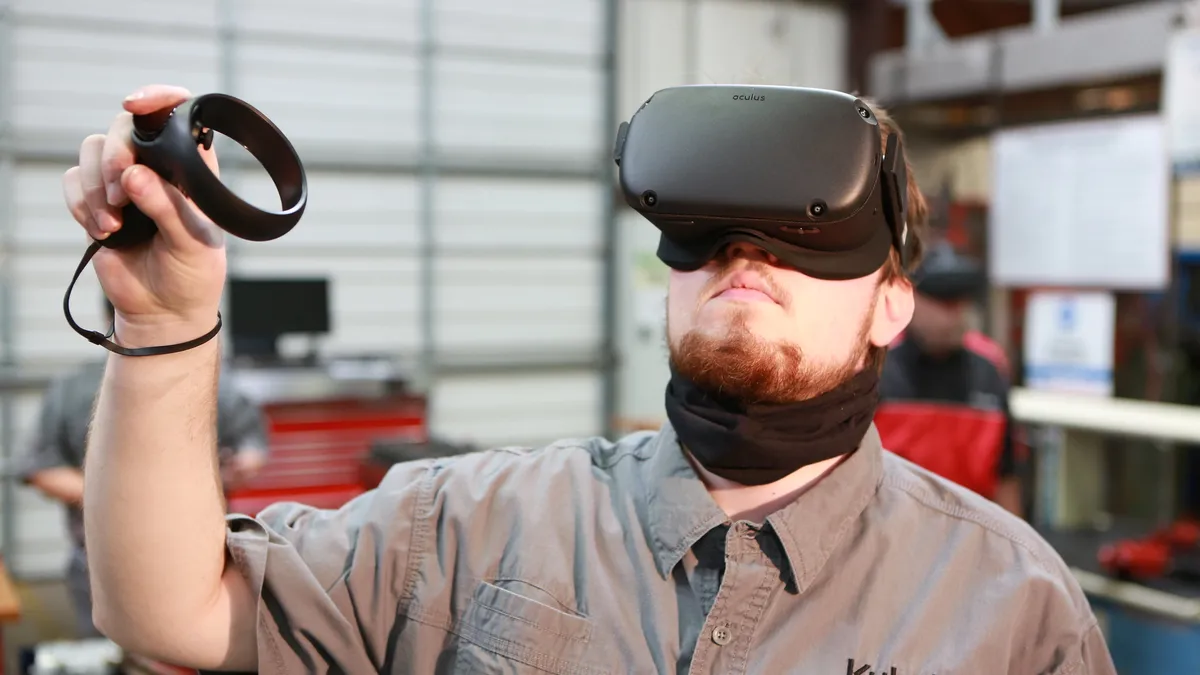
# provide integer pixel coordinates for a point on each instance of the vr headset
(798, 172)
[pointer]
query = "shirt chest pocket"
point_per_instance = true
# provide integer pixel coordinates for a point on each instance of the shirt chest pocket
(504, 632)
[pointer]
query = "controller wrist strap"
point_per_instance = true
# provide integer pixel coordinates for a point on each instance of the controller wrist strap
(103, 339)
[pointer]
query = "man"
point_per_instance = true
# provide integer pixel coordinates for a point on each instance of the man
(824, 555)
(54, 461)
(944, 391)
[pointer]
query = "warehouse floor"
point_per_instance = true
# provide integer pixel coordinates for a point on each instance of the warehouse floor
(46, 615)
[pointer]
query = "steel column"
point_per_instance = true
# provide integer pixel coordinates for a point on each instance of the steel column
(7, 294)
(427, 172)
(611, 231)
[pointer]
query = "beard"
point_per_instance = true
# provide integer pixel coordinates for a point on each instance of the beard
(746, 368)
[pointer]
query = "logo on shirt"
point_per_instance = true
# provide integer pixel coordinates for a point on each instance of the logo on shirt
(867, 669)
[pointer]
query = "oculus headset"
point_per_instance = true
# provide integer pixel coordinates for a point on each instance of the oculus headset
(168, 142)
(799, 172)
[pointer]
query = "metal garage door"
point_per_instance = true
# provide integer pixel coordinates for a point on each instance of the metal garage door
(454, 150)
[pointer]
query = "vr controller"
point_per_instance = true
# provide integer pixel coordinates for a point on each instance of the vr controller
(168, 142)
(801, 173)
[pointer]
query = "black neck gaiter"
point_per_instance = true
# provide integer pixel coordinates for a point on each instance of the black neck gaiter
(762, 443)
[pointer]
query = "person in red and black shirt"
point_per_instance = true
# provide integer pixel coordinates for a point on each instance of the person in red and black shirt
(944, 390)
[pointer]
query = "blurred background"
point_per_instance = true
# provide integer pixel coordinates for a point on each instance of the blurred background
(466, 276)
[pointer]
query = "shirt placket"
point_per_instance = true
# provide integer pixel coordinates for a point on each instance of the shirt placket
(746, 587)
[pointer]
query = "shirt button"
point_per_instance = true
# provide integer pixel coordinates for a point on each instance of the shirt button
(722, 635)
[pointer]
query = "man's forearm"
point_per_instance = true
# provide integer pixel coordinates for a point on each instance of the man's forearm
(153, 510)
(60, 483)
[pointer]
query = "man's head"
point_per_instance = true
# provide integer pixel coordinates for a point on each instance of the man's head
(939, 324)
(946, 285)
(750, 327)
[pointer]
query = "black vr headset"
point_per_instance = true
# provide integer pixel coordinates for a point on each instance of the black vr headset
(797, 172)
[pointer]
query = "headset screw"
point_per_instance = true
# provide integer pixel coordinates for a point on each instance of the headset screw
(864, 113)
(649, 198)
(817, 208)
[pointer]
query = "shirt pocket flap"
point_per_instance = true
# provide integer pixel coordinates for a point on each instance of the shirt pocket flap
(514, 627)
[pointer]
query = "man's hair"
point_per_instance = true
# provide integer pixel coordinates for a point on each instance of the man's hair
(918, 208)
(917, 216)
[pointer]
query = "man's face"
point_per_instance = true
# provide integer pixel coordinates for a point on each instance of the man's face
(939, 325)
(749, 327)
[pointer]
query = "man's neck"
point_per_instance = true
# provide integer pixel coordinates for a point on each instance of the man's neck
(755, 502)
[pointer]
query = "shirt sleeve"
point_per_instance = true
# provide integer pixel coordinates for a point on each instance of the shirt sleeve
(1094, 656)
(45, 447)
(1089, 657)
(330, 582)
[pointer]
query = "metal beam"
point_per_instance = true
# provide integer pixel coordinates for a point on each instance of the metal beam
(611, 232)
(268, 37)
(62, 150)
(7, 294)
(868, 22)
(1045, 15)
(428, 172)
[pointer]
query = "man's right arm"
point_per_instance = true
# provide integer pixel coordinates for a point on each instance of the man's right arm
(172, 577)
(154, 514)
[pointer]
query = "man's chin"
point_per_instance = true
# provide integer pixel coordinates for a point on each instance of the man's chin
(758, 326)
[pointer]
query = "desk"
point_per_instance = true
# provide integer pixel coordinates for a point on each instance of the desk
(10, 606)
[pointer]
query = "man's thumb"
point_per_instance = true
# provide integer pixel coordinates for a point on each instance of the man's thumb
(158, 200)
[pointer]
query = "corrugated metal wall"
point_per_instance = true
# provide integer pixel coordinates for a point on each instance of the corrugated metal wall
(454, 150)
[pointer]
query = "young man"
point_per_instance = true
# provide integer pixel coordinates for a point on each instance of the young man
(764, 530)
(53, 462)
(944, 391)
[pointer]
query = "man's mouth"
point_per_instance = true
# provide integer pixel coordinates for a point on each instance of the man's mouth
(747, 287)
(744, 295)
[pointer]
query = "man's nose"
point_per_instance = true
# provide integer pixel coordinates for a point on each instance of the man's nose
(742, 249)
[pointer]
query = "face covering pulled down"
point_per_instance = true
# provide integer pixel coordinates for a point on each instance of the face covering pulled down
(761, 443)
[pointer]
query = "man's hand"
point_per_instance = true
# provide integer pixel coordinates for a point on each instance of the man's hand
(61, 483)
(241, 467)
(170, 289)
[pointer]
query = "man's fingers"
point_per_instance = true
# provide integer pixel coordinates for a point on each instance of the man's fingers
(117, 156)
(92, 182)
(176, 218)
(155, 97)
(73, 192)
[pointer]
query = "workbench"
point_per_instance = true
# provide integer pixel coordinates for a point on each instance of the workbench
(1152, 625)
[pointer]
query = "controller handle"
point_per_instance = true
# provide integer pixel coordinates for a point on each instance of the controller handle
(136, 227)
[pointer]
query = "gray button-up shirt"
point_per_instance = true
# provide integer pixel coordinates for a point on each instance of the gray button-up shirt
(590, 557)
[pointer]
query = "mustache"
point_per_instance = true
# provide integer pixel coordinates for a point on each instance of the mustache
(734, 266)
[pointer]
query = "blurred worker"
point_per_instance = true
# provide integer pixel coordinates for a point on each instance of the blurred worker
(762, 530)
(944, 391)
(54, 463)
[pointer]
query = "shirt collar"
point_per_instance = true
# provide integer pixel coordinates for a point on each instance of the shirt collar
(679, 510)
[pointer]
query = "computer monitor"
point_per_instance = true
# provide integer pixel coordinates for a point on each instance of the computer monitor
(262, 309)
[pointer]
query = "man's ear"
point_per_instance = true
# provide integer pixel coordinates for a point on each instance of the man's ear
(893, 311)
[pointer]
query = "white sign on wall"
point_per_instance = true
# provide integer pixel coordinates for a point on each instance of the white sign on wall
(1181, 100)
(1081, 204)
(1069, 342)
